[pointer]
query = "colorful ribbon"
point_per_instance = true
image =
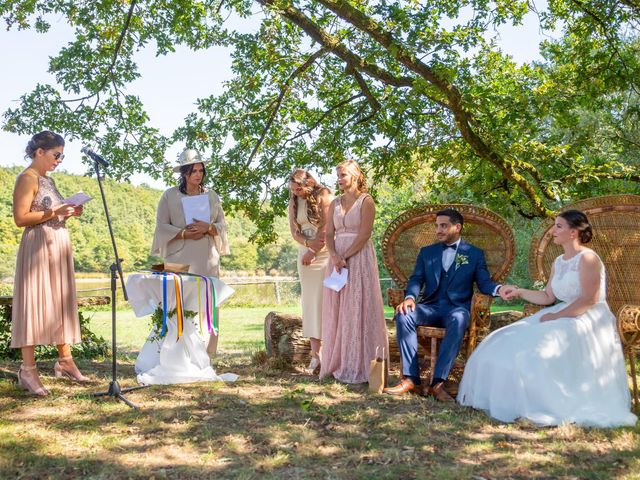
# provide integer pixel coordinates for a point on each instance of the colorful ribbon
(210, 302)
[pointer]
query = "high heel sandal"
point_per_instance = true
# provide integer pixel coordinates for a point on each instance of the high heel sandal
(314, 365)
(36, 390)
(60, 371)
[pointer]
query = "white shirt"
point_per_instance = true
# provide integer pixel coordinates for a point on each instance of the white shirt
(448, 256)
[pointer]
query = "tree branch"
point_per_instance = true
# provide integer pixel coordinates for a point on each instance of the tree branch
(453, 98)
(109, 71)
(334, 45)
(373, 101)
(283, 91)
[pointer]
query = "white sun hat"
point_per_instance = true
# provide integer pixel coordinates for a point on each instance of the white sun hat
(188, 157)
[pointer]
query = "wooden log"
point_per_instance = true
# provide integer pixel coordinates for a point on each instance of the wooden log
(82, 301)
(283, 337)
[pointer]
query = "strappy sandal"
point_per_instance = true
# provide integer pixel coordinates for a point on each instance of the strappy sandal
(60, 371)
(314, 366)
(34, 386)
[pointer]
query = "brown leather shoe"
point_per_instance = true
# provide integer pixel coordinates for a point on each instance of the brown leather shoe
(406, 385)
(440, 394)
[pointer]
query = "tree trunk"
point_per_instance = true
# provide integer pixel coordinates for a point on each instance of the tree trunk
(283, 338)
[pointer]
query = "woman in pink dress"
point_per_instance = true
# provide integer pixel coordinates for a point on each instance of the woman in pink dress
(353, 325)
(45, 310)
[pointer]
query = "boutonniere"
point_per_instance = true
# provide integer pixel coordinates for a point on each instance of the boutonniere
(461, 260)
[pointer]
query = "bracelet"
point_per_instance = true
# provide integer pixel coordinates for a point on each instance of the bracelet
(182, 233)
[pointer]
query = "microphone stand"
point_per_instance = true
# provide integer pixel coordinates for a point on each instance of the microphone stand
(116, 270)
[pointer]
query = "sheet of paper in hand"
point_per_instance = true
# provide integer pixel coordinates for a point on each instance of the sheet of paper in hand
(336, 281)
(78, 199)
(196, 208)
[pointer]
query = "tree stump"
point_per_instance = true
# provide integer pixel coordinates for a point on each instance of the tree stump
(283, 338)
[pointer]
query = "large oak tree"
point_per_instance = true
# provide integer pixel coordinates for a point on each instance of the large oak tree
(402, 86)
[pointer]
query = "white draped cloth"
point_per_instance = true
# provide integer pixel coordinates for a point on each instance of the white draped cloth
(170, 359)
(569, 370)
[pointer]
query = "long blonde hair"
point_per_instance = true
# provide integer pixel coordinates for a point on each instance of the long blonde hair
(353, 169)
(311, 189)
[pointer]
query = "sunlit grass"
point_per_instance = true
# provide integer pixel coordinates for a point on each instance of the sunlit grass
(277, 425)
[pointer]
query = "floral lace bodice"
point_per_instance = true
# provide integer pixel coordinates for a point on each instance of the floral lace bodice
(47, 197)
(566, 279)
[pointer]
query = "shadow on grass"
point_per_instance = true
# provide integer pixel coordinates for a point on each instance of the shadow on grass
(273, 424)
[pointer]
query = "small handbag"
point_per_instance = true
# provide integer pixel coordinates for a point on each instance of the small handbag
(378, 373)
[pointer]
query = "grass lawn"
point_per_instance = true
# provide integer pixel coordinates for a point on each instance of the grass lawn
(278, 424)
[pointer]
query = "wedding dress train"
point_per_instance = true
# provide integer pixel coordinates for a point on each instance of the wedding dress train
(569, 370)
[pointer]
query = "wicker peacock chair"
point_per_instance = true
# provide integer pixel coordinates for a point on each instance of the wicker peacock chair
(414, 229)
(616, 226)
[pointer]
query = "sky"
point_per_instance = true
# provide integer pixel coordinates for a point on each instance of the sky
(168, 86)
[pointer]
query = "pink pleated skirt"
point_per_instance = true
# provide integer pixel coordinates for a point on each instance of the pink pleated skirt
(45, 310)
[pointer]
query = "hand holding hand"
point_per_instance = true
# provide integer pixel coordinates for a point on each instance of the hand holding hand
(192, 234)
(509, 292)
(409, 305)
(308, 257)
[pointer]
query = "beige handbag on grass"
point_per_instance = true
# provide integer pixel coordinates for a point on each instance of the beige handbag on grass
(378, 373)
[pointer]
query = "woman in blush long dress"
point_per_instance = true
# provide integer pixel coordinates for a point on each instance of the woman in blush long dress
(565, 363)
(353, 325)
(45, 309)
(308, 212)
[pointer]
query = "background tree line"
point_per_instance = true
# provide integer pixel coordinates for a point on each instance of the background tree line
(133, 211)
(399, 85)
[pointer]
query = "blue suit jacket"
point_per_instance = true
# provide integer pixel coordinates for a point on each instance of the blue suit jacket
(423, 283)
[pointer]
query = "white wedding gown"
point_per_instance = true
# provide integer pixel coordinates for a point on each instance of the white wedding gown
(569, 370)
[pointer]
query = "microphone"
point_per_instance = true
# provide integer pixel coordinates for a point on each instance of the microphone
(94, 156)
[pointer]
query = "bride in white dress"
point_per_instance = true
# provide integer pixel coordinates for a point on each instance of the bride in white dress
(565, 363)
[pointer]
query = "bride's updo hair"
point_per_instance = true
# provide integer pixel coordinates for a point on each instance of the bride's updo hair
(578, 220)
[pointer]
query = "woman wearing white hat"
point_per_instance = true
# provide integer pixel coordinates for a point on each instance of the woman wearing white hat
(192, 242)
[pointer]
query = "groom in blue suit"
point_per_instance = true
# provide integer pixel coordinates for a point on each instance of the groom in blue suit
(439, 294)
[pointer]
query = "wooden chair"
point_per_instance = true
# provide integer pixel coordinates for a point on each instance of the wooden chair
(616, 227)
(415, 228)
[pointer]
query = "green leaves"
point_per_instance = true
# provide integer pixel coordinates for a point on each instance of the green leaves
(402, 85)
